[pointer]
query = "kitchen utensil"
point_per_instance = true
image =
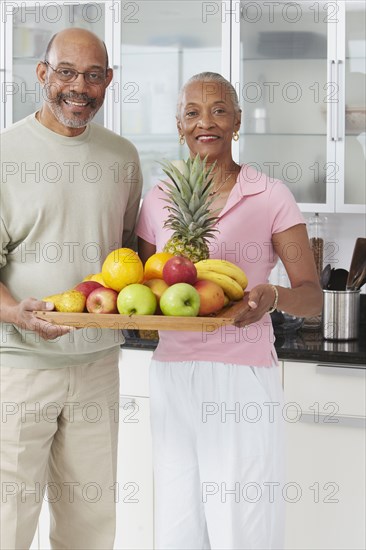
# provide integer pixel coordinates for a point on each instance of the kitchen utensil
(358, 260)
(359, 279)
(325, 276)
(341, 314)
(351, 282)
(338, 279)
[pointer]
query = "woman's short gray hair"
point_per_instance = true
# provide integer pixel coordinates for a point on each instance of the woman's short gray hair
(210, 77)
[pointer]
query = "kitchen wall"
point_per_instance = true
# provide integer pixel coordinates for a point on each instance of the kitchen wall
(341, 232)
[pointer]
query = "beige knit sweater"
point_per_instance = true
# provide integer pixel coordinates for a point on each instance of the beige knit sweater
(65, 204)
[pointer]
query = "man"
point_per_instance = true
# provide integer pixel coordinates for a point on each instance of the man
(70, 195)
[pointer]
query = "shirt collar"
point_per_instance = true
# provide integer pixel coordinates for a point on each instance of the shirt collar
(249, 182)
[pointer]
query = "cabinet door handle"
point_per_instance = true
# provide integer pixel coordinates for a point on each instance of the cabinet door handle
(126, 401)
(338, 109)
(337, 369)
(332, 110)
(339, 420)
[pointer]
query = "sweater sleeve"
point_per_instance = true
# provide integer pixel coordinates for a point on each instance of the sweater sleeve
(129, 236)
(5, 240)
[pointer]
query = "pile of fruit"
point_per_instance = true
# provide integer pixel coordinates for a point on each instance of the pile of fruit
(182, 280)
(168, 285)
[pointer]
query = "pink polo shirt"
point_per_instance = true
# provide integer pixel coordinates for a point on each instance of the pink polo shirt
(257, 207)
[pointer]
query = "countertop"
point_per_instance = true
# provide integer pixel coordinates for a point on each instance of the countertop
(302, 345)
(311, 346)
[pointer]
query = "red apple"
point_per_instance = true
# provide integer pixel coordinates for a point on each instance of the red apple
(102, 300)
(179, 270)
(158, 286)
(86, 287)
(212, 297)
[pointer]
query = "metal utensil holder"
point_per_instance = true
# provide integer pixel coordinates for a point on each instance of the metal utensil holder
(341, 314)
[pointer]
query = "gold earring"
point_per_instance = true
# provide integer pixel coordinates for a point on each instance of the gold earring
(235, 136)
(182, 139)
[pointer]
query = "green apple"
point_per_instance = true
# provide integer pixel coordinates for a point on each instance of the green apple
(180, 299)
(136, 299)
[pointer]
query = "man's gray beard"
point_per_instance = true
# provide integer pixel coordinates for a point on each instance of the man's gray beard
(71, 122)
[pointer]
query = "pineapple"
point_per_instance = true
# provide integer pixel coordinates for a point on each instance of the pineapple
(189, 200)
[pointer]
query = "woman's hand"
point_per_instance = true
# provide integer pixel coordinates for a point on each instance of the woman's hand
(260, 300)
(304, 298)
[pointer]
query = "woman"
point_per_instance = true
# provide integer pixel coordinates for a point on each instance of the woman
(216, 399)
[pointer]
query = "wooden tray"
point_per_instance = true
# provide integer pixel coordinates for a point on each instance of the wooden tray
(226, 316)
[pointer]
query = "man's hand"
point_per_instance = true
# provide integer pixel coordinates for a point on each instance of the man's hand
(26, 320)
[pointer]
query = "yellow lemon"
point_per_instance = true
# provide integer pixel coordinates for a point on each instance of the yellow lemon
(154, 265)
(122, 267)
(98, 277)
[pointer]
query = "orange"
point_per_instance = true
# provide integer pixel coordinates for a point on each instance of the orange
(122, 267)
(155, 264)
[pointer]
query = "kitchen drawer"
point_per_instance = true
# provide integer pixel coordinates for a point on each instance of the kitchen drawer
(325, 389)
(134, 488)
(326, 471)
(134, 371)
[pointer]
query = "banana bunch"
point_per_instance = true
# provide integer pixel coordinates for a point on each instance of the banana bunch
(229, 276)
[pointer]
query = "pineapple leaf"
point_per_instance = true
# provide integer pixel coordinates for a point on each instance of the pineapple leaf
(180, 179)
(179, 185)
(177, 199)
(207, 189)
(194, 202)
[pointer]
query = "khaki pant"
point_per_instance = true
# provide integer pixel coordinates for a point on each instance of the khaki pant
(59, 432)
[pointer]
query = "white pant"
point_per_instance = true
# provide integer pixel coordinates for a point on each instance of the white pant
(59, 434)
(218, 456)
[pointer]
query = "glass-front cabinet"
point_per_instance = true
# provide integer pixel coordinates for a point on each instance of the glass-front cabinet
(352, 151)
(26, 29)
(163, 43)
(298, 67)
(283, 83)
(153, 48)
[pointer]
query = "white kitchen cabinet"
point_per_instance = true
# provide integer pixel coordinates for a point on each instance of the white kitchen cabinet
(351, 142)
(162, 45)
(134, 491)
(43, 530)
(299, 69)
(26, 29)
(35, 542)
(134, 372)
(326, 456)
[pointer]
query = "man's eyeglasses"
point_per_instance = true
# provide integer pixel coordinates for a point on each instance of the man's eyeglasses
(69, 75)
